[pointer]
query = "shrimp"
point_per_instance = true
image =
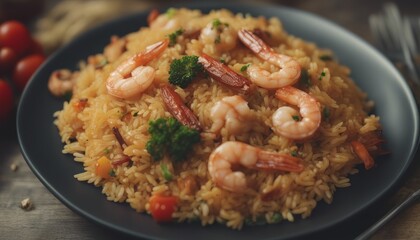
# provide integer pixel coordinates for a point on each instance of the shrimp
(290, 68)
(231, 113)
(288, 122)
(132, 77)
(61, 82)
(220, 35)
(236, 153)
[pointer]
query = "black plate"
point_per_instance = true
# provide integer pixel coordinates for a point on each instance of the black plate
(41, 146)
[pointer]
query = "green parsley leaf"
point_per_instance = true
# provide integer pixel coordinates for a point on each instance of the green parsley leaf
(165, 172)
(216, 23)
(304, 77)
(322, 75)
(296, 118)
(173, 36)
(245, 67)
(170, 13)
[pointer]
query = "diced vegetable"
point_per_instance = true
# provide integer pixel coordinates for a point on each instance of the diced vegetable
(80, 104)
(183, 71)
(162, 207)
(304, 77)
(165, 172)
(360, 150)
(173, 37)
(245, 67)
(168, 136)
(103, 167)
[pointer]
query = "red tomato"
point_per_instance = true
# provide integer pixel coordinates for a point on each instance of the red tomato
(162, 207)
(15, 35)
(6, 100)
(8, 59)
(25, 68)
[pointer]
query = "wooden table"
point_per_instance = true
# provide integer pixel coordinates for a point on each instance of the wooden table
(50, 219)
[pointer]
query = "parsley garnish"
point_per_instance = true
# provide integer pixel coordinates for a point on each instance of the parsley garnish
(322, 75)
(170, 12)
(304, 77)
(245, 67)
(173, 36)
(296, 118)
(216, 23)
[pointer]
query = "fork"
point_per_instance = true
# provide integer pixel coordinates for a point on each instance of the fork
(388, 216)
(398, 38)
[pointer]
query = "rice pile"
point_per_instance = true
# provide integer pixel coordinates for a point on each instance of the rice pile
(271, 196)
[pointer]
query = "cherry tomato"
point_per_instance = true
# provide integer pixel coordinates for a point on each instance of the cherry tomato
(6, 100)
(15, 35)
(8, 59)
(162, 207)
(25, 68)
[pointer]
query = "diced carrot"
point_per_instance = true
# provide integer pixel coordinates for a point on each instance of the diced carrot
(103, 167)
(80, 104)
(360, 150)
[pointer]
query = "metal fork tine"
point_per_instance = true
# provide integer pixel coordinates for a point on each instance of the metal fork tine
(409, 36)
(377, 31)
(393, 21)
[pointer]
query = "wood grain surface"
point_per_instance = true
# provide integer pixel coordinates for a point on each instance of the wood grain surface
(50, 219)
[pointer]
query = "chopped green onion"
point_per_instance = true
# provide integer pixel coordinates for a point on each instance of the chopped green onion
(112, 172)
(216, 23)
(223, 61)
(173, 36)
(296, 118)
(165, 172)
(170, 12)
(294, 153)
(277, 217)
(304, 77)
(258, 222)
(217, 40)
(322, 75)
(245, 67)
(107, 151)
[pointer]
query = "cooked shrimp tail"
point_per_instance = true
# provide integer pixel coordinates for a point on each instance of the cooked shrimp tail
(231, 154)
(131, 77)
(290, 68)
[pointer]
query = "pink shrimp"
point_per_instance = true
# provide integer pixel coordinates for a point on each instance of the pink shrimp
(236, 153)
(290, 68)
(293, 124)
(131, 77)
(231, 113)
